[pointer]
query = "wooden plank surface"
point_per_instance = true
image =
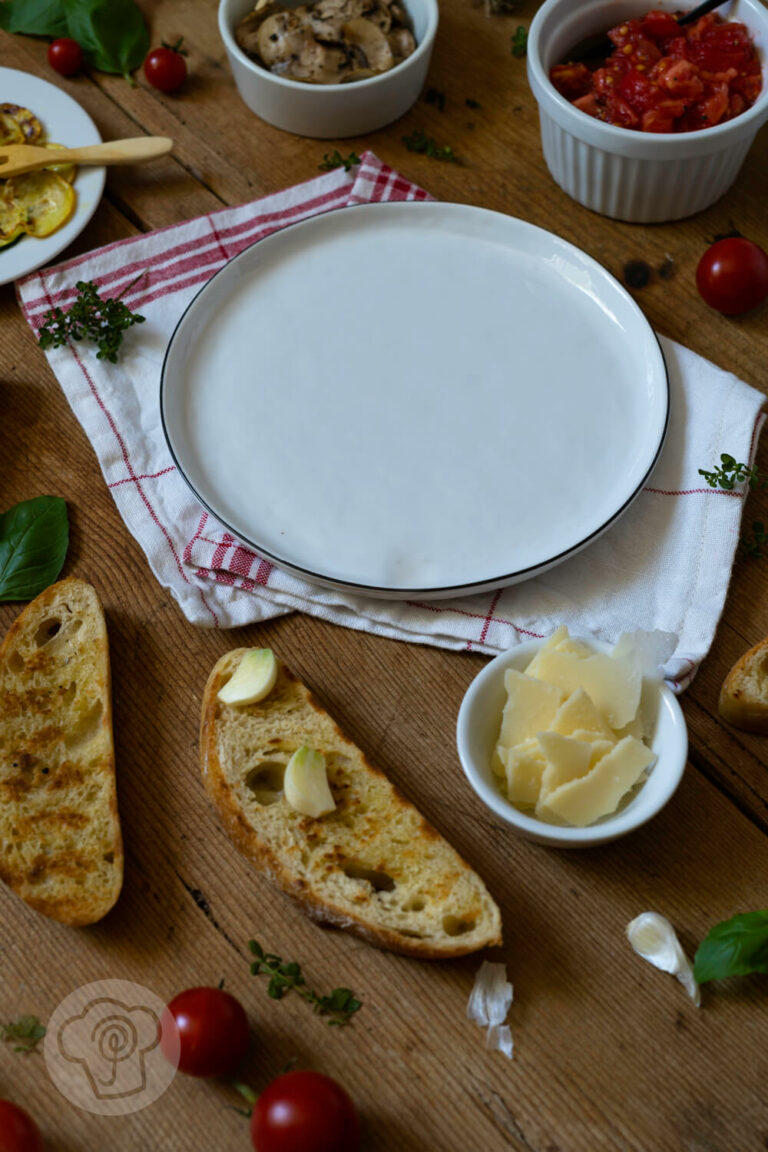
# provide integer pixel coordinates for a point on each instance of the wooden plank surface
(610, 1054)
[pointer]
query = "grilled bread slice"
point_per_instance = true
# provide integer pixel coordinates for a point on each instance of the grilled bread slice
(744, 693)
(373, 866)
(60, 843)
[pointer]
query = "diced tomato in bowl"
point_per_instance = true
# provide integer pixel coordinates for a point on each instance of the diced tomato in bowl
(666, 77)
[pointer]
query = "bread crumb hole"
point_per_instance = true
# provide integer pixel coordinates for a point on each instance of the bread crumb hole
(46, 631)
(266, 782)
(455, 926)
(87, 727)
(415, 904)
(379, 881)
(109, 857)
(407, 932)
(15, 662)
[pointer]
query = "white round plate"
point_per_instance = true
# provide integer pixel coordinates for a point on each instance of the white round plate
(64, 122)
(414, 399)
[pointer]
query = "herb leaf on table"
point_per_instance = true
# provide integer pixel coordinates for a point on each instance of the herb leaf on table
(335, 159)
(34, 537)
(90, 318)
(112, 33)
(520, 41)
(729, 473)
(418, 141)
(735, 947)
(24, 1034)
(34, 17)
(341, 1004)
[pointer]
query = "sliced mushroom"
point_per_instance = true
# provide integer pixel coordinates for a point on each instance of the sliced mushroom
(379, 15)
(318, 64)
(402, 43)
(358, 74)
(282, 37)
(329, 41)
(371, 41)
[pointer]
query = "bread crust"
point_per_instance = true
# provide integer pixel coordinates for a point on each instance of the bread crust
(59, 824)
(281, 870)
(743, 698)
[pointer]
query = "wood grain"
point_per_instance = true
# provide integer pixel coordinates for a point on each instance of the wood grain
(610, 1054)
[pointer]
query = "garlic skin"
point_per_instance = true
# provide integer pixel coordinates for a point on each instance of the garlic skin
(489, 1003)
(653, 937)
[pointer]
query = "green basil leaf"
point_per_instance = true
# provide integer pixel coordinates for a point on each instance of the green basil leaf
(112, 33)
(33, 545)
(736, 947)
(34, 17)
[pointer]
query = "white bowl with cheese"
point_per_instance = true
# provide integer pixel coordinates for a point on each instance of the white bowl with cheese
(665, 735)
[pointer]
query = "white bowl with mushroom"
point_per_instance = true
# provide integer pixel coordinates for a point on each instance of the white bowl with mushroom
(332, 68)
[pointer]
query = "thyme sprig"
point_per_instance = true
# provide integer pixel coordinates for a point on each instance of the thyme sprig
(520, 41)
(418, 141)
(335, 159)
(24, 1034)
(340, 1004)
(726, 476)
(91, 318)
(730, 473)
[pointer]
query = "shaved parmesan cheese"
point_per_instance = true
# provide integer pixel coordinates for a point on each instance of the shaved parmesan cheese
(576, 727)
(580, 802)
(612, 684)
(489, 1003)
(646, 651)
(653, 937)
(531, 705)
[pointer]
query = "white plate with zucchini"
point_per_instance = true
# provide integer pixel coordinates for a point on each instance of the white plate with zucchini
(56, 209)
(414, 399)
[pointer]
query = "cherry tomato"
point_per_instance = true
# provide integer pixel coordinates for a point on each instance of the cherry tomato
(212, 1031)
(18, 1131)
(304, 1112)
(732, 275)
(65, 56)
(165, 68)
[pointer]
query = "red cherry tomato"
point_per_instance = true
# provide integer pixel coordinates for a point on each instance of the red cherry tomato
(732, 275)
(304, 1112)
(65, 56)
(165, 68)
(18, 1131)
(211, 1029)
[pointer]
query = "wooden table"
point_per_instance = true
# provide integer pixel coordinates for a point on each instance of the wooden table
(610, 1054)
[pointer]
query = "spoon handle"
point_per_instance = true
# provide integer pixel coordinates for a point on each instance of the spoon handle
(700, 10)
(114, 152)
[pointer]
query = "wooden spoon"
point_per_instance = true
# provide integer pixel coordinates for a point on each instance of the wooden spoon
(18, 158)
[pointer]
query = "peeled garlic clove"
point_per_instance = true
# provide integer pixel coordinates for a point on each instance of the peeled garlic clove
(306, 783)
(253, 679)
(653, 937)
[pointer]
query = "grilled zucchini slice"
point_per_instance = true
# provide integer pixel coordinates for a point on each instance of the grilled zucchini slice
(45, 199)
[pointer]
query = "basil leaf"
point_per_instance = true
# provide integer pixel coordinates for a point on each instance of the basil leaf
(34, 17)
(735, 947)
(33, 544)
(112, 33)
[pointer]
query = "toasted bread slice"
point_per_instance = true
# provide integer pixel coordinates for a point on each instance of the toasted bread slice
(373, 866)
(744, 694)
(60, 843)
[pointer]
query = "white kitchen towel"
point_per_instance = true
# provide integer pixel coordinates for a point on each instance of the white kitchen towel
(666, 564)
